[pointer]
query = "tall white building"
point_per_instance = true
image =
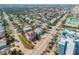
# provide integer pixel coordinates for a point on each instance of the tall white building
(61, 48)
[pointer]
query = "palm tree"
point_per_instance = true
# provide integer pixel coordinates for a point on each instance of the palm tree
(14, 52)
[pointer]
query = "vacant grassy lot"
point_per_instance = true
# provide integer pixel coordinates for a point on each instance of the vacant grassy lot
(25, 41)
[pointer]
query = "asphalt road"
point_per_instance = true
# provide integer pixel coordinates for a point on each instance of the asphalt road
(40, 48)
(15, 34)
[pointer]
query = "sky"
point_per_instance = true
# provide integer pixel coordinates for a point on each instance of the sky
(35, 5)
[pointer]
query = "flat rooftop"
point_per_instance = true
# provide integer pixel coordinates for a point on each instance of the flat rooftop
(72, 22)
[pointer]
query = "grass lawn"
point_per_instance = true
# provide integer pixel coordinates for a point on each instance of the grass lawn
(25, 41)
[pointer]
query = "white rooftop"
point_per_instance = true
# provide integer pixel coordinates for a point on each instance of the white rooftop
(38, 30)
(27, 28)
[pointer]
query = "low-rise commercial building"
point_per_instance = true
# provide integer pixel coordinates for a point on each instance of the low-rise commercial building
(3, 43)
(72, 22)
(30, 34)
